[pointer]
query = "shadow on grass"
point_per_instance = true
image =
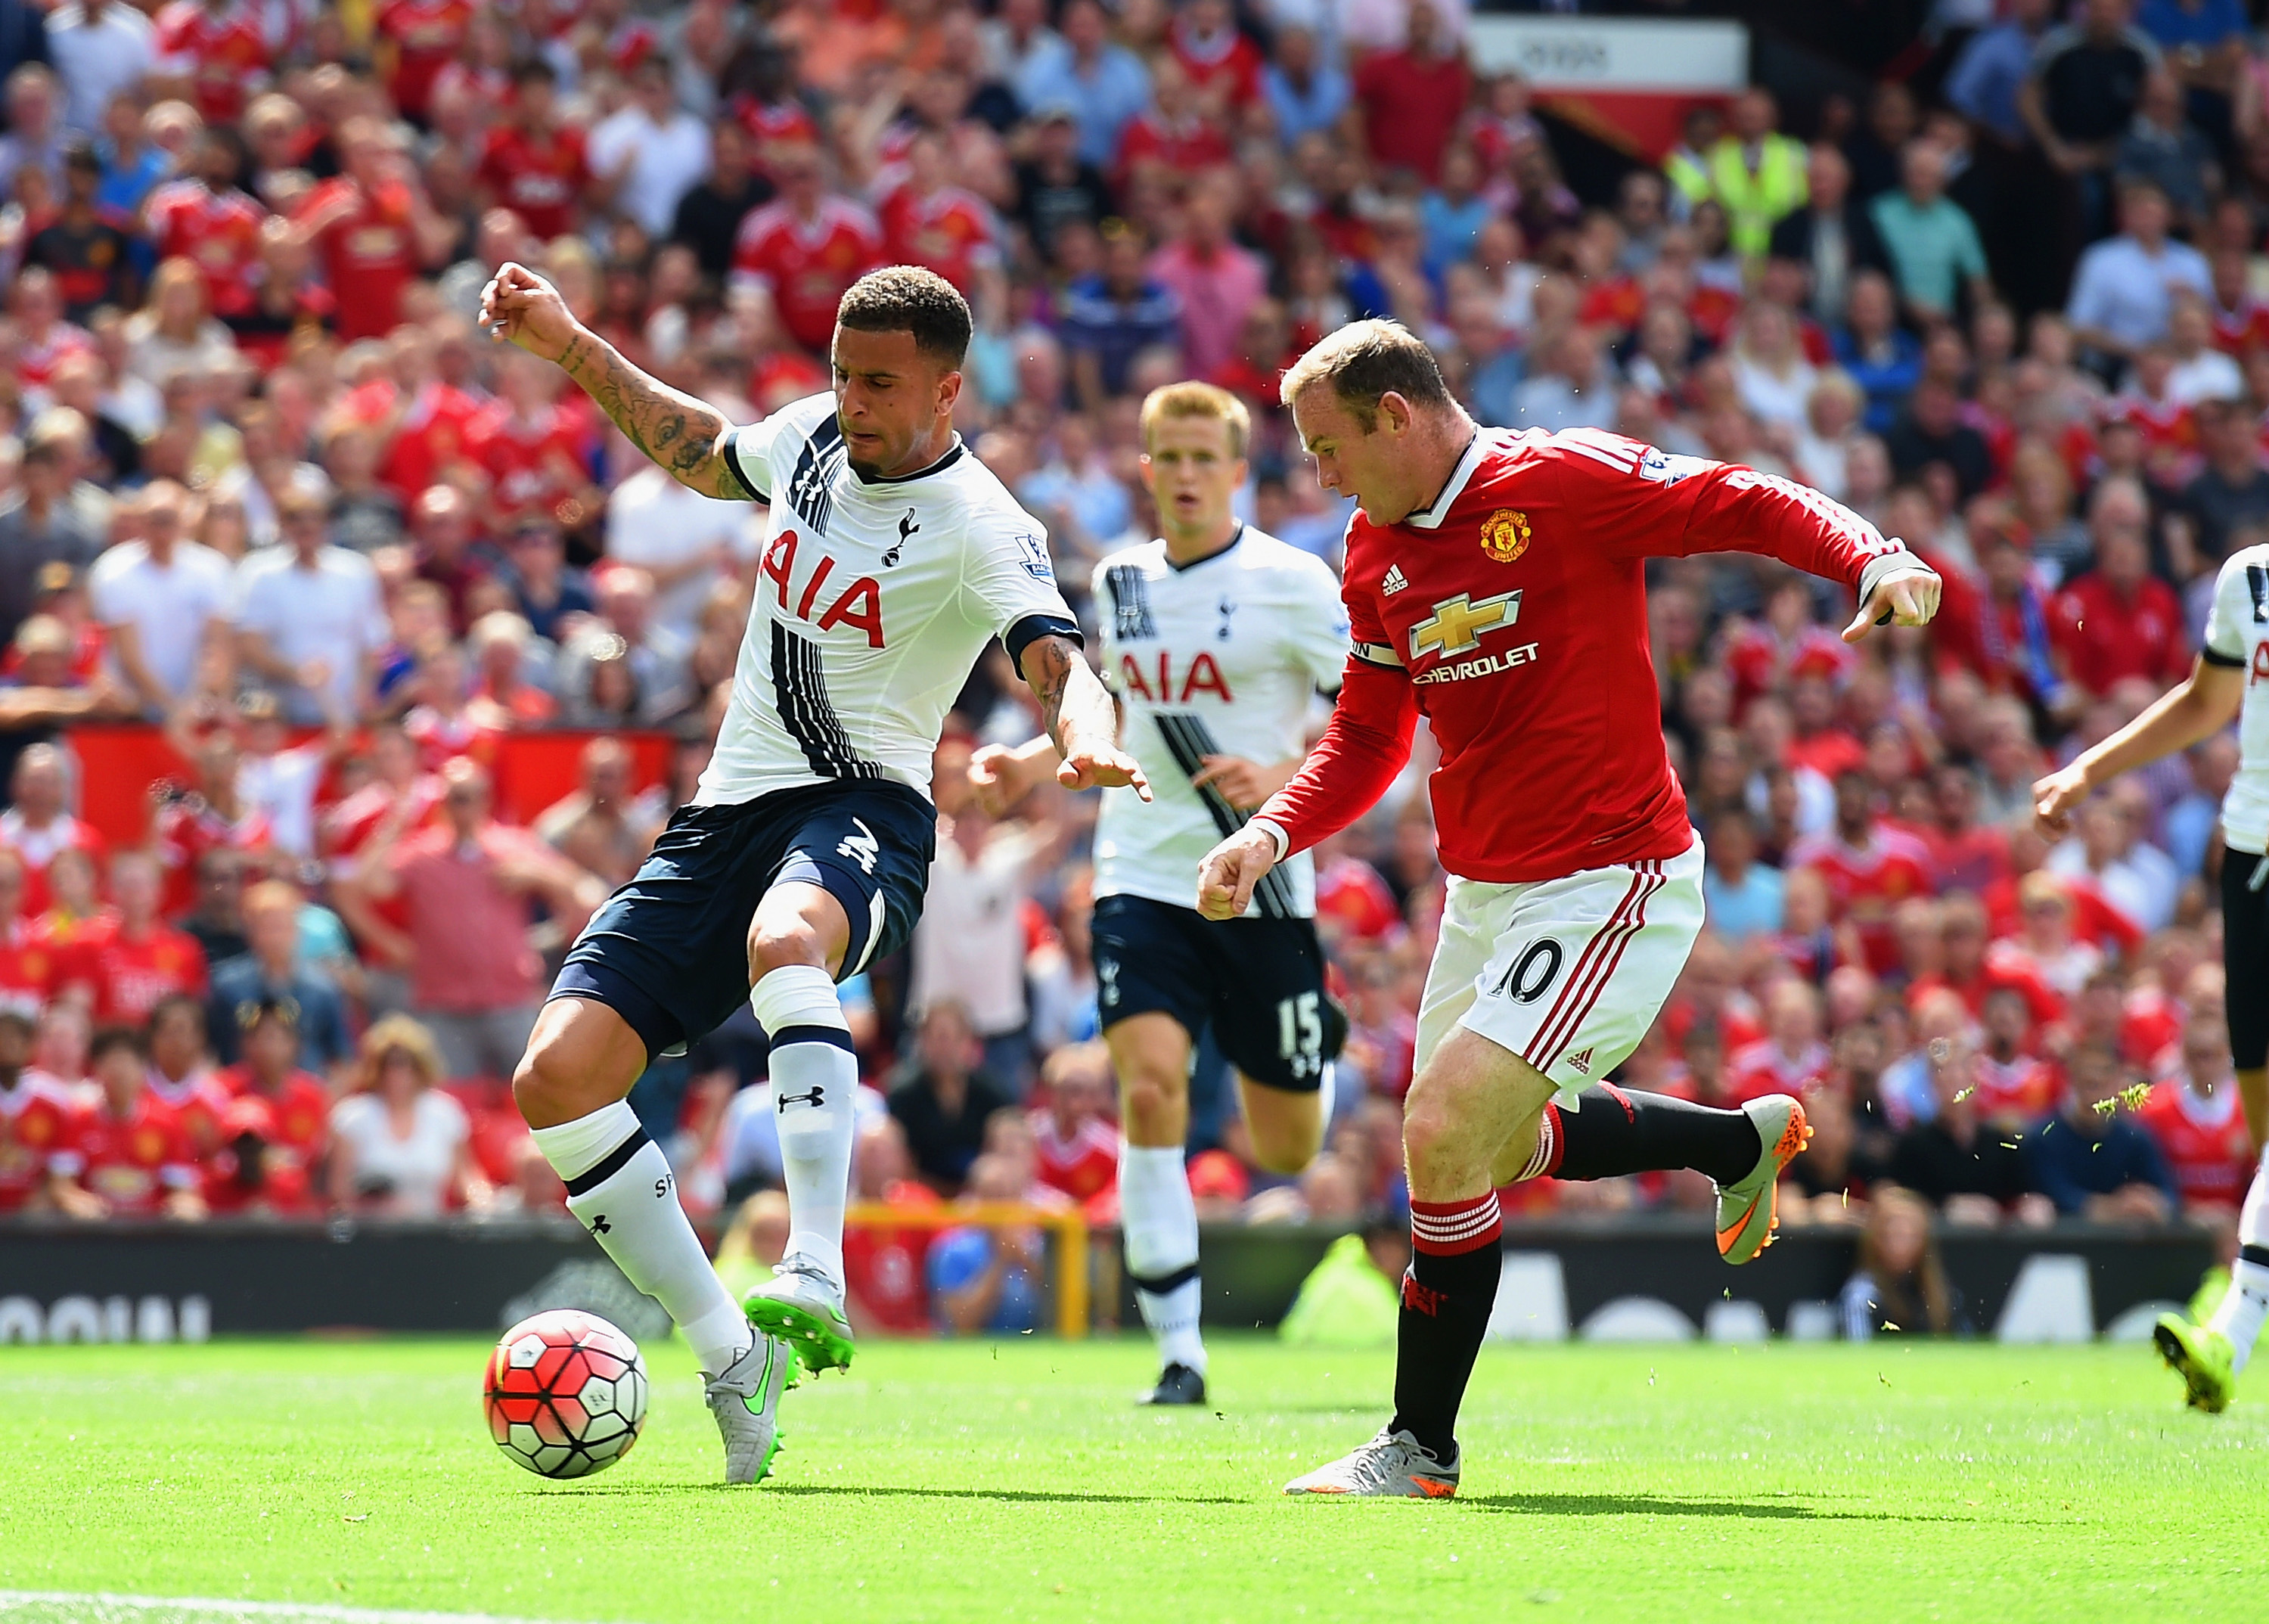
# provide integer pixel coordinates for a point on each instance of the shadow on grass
(1655, 1505)
(1006, 1496)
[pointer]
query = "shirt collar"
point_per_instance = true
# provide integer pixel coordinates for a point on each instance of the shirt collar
(1430, 516)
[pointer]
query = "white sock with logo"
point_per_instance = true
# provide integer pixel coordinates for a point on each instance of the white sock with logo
(1159, 1222)
(2243, 1310)
(815, 1075)
(620, 1188)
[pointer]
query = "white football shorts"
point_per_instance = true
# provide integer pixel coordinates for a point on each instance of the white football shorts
(1567, 973)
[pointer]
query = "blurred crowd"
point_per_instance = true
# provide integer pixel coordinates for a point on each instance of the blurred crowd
(268, 488)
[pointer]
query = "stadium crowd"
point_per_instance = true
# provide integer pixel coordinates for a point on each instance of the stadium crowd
(270, 490)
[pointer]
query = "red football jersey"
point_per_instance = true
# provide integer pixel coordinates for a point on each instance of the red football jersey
(1762, 1069)
(34, 1128)
(368, 256)
(805, 265)
(27, 971)
(2105, 637)
(1227, 61)
(184, 830)
(1866, 885)
(37, 359)
(884, 1267)
(539, 178)
(198, 1102)
(2244, 328)
(225, 54)
(218, 231)
(531, 465)
(2024, 1089)
(130, 976)
(1183, 146)
(1512, 612)
(433, 435)
(37, 847)
(426, 34)
(302, 1108)
(130, 1161)
(2204, 1140)
(1082, 1165)
(949, 232)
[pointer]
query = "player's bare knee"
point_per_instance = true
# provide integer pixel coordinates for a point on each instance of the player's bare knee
(776, 943)
(548, 1085)
(1285, 1151)
(1150, 1102)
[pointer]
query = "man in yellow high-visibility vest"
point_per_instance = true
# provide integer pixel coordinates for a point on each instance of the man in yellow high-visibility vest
(1755, 172)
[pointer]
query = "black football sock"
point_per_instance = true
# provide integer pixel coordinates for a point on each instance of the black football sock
(1612, 1132)
(1455, 1261)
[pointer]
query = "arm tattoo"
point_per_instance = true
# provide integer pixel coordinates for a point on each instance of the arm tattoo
(680, 435)
(1071, 710)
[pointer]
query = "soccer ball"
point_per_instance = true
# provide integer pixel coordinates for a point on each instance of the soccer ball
(565, 1394)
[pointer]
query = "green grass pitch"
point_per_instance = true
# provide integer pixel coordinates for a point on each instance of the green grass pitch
(1014, 1480)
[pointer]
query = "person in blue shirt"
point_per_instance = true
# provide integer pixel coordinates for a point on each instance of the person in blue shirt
(1742, 897)
(1305, 93)
(1993, 66)
(983, 1277)
(1104, 82)
(1115, 316)
(1451, 215)
(2091, 1160)
(1883, 358)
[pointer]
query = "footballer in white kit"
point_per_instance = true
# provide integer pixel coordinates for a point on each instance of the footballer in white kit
(1215, 639)
(2230, 679)
(895, 557)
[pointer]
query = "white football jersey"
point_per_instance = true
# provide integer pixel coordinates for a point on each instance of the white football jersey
(874, 599)
(2237, 634)
(1219, 657)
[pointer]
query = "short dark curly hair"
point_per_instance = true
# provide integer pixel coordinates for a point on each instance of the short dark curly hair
(906, 299)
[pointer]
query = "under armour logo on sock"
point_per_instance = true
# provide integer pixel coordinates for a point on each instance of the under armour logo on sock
(817, 1099)
(599, 1226)
(1421, 1299)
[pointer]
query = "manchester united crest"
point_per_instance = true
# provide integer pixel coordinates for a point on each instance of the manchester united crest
(1505, 535)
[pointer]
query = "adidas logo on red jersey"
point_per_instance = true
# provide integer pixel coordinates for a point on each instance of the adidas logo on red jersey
(1392, 582)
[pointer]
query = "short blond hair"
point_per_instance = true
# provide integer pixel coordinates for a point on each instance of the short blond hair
(1199, 400)
(1365, 362)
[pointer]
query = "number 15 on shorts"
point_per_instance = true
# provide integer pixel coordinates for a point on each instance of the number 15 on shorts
(1300, 1034)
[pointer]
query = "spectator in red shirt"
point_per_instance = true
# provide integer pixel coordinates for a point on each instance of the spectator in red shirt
(1968, 856)
(34, 1122)
(37, 827)
(209, 220)
(416, 40)
(217, 51)
(2194, 1116)
(805, 249)
(1075, 1148)
(2119, 620)
(141, 960)
(2017, 1085)
(1223, 64)
(535, 165)
(372, 230)
(1870, 868)
(882, 1265)
(251, 1174)
(181, 1073)
(1412, 100)
(125, 1153)
(270, 1072)
(1790, 1058)
(467, 884)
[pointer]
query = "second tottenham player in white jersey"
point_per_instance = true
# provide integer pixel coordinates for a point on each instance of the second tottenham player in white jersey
(896, 556)
(2230, 679)
(1215, 640)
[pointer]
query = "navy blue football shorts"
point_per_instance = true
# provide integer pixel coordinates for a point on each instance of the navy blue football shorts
(669, 952)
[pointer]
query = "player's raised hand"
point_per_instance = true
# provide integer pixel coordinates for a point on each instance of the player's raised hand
(2055, 796)
(1232, 869)
(1903, 598)
(993, 777)
(519, 306)
(1102, 767)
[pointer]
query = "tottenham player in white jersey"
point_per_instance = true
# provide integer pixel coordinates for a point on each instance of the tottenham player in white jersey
(1216, 638)
(896, 556)
(2230, 678)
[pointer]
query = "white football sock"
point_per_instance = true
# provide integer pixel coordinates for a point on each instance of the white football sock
(1160, 1224)
(815, 1075)
(2240, 1315)
(619, 1186)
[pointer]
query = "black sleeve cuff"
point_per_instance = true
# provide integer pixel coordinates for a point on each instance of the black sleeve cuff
(1031, 628)
(740, 472)
(2215, 657)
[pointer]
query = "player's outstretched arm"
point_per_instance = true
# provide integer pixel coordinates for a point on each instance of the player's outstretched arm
(1904, 596)
(1081, 718)
(685, 437)
(2201, 706)
(1003, 774)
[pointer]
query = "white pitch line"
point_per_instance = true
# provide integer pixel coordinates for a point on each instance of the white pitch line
(105, 1607)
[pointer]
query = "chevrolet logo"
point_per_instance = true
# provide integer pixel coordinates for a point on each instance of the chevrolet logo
(1458, 623)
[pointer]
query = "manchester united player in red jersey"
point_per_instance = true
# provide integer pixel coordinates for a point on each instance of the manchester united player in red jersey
(1495, 582)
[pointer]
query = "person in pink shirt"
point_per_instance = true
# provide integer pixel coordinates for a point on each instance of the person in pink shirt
(1218, 281)
(467, 885)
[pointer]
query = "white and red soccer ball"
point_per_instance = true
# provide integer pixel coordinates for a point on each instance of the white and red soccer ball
(565, 1394)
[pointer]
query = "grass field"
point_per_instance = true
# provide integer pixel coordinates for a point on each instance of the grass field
(1015, 1481)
